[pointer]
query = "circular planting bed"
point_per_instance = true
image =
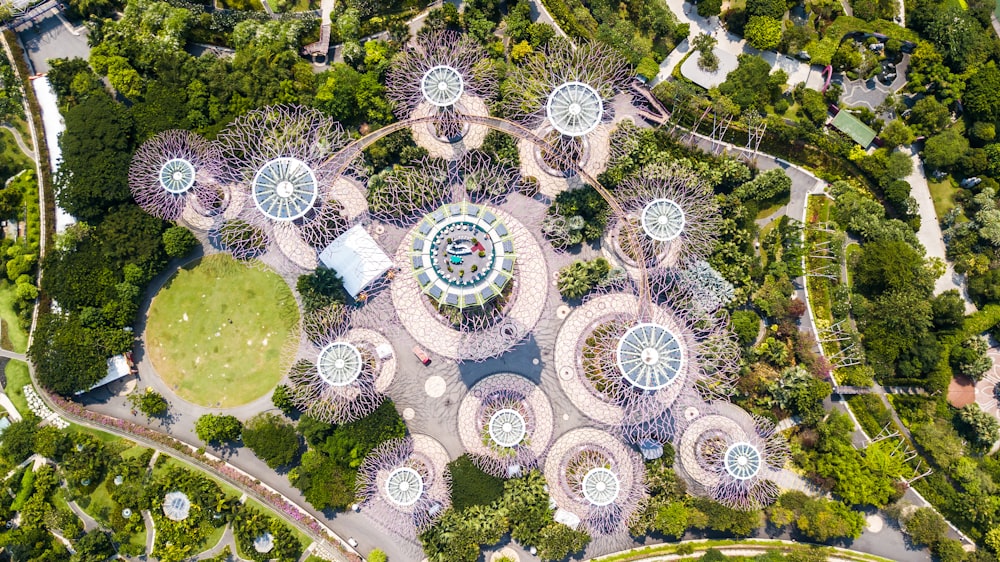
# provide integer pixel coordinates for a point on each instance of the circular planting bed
(217, 329)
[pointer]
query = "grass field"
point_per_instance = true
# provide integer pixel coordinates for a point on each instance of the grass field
(943, 193)
(18, 338)
(17, 379)
(217, 329)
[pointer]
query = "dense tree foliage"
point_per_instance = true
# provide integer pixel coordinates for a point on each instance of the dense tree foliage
(218, 428)
(272, 438)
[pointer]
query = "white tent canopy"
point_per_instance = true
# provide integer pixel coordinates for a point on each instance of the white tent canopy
(357, 258)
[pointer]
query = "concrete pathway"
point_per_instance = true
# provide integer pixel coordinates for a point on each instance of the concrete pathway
(930, 230)
(20, 142)
(150, 532)
(89, 523)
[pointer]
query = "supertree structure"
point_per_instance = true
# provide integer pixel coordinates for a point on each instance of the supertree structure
(404, 484)
(341, 374)
(730, 454)
(441, 75)
(665, 221)
(505, 422)
(596, 478)
(624, 363)
(281, 166)
(487, 181)
(564, 94)
(174, 171)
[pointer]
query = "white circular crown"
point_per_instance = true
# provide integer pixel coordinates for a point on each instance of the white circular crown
(650, 356)
(600, 486)
(339, 364)
(507, 427)
(284, 188)
(442, 86)
(574, 109)
(404, 486)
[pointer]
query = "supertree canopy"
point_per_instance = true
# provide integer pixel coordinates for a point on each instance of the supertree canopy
(176, 170)
(566, 88)
(341, 373)
(730, 454)
(280, 166)
(404, 484)
(634, 361)
(596, 478)
(673, 220)
(505, 422)
(443, 73)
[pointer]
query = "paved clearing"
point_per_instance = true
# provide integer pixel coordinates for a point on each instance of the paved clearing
(217, 329)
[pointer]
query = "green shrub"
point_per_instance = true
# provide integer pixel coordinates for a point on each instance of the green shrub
(471, 486)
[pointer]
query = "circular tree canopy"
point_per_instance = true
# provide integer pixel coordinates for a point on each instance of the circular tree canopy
(600, 486)
(574, 109)
(177, 175)
(663, 220)
(284, 189)
(442, 86)
(650, 356)
(339, 364)
(404, 486)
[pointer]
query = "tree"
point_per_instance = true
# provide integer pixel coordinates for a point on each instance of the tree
(337, 93)
(68, 356)
(149, 402)
(580, 277)
(896, 133)
(218, 428)
(890, 265)
(774, 9)
(709, 8)
(178, 241)
(749, 85)
(557, 542)
(982, 428)
(969, 358)
(949, 310)
(93, 547)
(762, 32)
(377, 555)
(96, 151)
(944, 150)
(746, 324)
(899, 165)
(799, 392)
(926, 526)
(707, 60)
(823, 520)
(19, 440)
(929, 116)
(320, 289)
(982, 94)
(272, 438)
(765, 187)
(282, 400)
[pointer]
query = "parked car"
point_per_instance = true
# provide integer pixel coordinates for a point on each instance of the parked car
(421, 355)
(970, 182)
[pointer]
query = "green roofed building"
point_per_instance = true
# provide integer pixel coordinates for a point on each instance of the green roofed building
(854, 128)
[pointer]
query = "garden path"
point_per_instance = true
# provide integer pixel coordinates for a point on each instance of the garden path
(89, 523)
(150, 532)
(20, 142)
(930, 230)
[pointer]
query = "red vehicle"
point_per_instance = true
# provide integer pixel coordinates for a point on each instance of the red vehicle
(421, 355)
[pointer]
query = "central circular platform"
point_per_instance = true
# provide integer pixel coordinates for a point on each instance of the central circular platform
(404, 486)
(462, 255)
(339, 364)
(284, 188)
(600, 486)
(742, 460)
(442, 86)
(574, 109)
(177, 175)
(507, 427)
(663, 220)
(650, 356)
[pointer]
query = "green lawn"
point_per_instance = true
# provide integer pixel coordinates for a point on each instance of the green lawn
(943, 193)
(12, 153)
(18, 338)
(217, 329)
(771, 206)
(99, 504)
(17, 378)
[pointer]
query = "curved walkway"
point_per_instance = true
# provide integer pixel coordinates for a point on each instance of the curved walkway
(20, 142)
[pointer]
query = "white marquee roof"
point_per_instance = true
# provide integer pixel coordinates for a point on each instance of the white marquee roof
(357, 258)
